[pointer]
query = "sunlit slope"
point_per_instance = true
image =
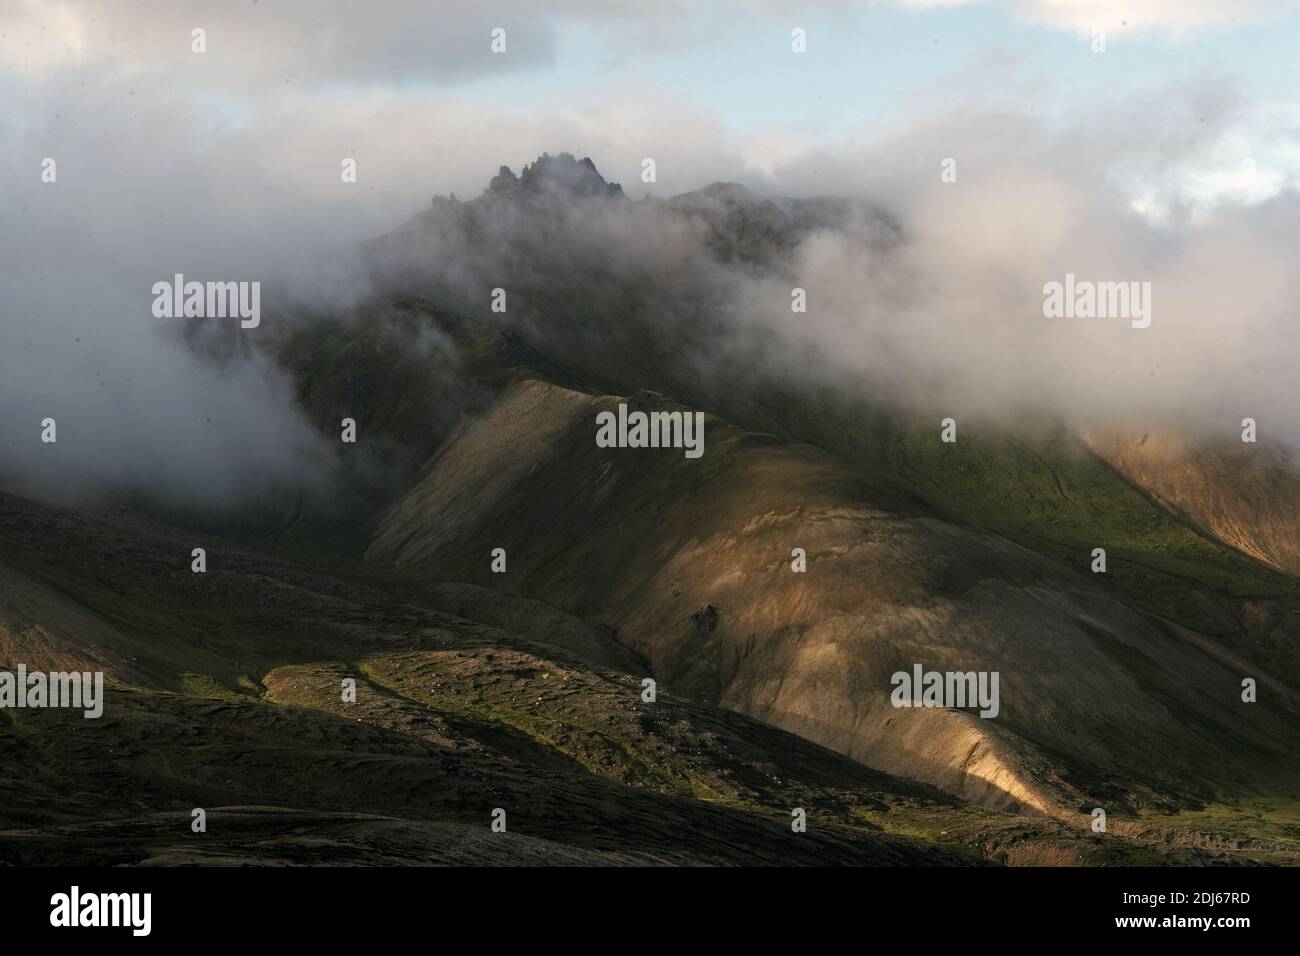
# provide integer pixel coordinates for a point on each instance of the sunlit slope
(1247, 495)
(43, 629)
(1039, 484)
(1024, 478)
(689, 561)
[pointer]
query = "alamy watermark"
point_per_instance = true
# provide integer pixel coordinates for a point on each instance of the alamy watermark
(74, 908)
(959, 689)
(82, 690)
(651, 430)
(1084, 299)
(208, 300)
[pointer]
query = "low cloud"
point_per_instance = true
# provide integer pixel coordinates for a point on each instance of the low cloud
(155, 179)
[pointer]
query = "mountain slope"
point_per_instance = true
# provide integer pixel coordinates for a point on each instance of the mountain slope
(523, 690)
(1242, 494)
(689, 561)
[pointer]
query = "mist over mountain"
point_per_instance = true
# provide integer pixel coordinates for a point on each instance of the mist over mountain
(900, 312)
(897, 313)
(921, 294)
(834, 433)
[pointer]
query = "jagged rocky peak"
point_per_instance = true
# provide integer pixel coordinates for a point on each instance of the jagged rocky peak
(563, 174)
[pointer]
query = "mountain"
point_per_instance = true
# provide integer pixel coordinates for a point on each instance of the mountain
(650, 543)
(523, 689)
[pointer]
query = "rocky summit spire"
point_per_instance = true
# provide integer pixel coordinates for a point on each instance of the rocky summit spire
(563, 175)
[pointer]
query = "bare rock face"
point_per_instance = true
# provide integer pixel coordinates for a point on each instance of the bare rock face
(1245, 495)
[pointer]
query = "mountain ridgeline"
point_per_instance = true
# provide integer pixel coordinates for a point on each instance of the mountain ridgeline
(503, 587)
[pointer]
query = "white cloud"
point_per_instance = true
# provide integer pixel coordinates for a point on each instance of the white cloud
(300, 42)
(253, 46)
(1174, 16)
